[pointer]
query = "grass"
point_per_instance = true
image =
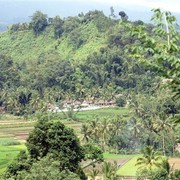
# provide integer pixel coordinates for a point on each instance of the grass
(108, 155)
(24, 45)
(7, 154)
(102, 114)
(8, 142)
(129, 169)
(6, 117)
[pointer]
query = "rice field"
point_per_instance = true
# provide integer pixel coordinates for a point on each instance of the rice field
(14, 131)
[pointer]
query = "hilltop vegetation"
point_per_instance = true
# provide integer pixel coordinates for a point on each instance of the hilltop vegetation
(76, 40)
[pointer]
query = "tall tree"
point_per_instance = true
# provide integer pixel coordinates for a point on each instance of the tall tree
(53, 137)
(163, 48)
(38, 22)
(58, 26)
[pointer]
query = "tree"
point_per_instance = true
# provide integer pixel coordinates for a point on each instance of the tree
(92, 153)
(150, 158)
(109, 170)
(9, 76)
(123, 15)
(112, 12)
(47, 168)
(163, 172)
(38, 22)
(20, 163)
(163, 48)
(53, 137)
(86, 132)
(58, 26)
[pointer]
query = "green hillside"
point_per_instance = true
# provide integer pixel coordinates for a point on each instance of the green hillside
(25, 45)
(86, 56)
(89, 56)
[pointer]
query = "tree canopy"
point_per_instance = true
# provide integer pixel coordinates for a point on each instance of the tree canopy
(38, 22)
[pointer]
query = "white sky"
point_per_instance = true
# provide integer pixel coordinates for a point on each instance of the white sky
(168, 5)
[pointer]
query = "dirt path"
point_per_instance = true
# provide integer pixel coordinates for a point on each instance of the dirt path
(175, 163)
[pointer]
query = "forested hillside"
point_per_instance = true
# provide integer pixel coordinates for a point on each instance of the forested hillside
(86, 56)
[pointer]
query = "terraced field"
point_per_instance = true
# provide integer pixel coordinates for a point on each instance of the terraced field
(15, 129)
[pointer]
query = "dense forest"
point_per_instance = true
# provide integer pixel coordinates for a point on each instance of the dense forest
(92, 58)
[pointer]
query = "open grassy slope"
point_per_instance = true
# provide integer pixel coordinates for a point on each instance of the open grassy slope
(24, 45)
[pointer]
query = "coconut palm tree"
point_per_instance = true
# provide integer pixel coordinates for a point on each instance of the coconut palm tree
(116, 125)
(86, 132)
(164, 126)
(150, 158)
(109, 170)
(95, 130)
(104, 130)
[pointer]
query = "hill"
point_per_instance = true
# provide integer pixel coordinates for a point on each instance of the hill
(86, 56)
(75, 44)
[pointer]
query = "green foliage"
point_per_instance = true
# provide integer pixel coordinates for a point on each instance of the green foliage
(120, 101)
(58, 26)
(109, 170)
(38, 22)
(19, 27)
(47, 168)
(21, 163)
(163, 48)
(49, 141)
(93, 153)
(164, 172)
(150, 158)
(8, 142)
(7, 154)
(54, 137)
(9, 75)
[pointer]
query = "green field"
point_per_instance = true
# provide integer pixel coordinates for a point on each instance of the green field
(102, 114)
(7, 154)
(129, 169)
(119, 156)
(14, 130)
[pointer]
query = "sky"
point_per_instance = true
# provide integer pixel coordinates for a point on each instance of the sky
(19, 10)
(169, 5)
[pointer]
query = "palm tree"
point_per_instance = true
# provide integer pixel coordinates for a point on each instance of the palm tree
(116, 125)
(95, 130)
(86, 133)
(104, 130)
(164, 126)
(34, 102)
(150, 158)
(109, 170)
(93, 174)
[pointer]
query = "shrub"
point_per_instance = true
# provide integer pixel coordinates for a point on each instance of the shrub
(120, 101)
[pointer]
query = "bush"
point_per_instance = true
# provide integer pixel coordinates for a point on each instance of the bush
(120, 101)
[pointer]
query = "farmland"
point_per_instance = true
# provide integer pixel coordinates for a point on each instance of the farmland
(15, 130)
